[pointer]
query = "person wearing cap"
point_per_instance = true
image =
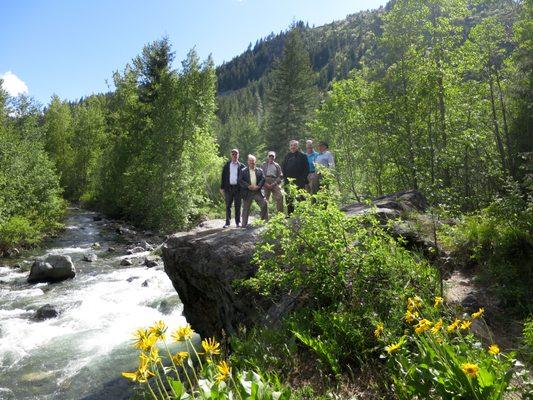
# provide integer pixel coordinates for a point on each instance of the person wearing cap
(295, 166)
(312, 177)
(251, 180)
(230, 188)
(325, 158)
(273, 179)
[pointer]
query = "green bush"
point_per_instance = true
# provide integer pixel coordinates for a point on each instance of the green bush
(347, 270)
(499, 239)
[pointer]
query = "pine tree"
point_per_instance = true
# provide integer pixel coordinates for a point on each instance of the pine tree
(292, 96)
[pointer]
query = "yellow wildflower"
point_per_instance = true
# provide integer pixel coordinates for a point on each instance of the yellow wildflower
(494, 349)
(144, 340)
(470, 370)
(453, 326)
(141, 375)
(379, 330)
(154, 354)
(423, 325)
(180, 357)
(438, 301)
(410, 316)
(183, 333)
(413, 303)
(224, 371)
(211, 346)
(465, 325)
(393, 347)
(479, 313)
(437, 326)
(158, 330)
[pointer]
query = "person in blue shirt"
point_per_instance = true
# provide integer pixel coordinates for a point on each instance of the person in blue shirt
(312, 177)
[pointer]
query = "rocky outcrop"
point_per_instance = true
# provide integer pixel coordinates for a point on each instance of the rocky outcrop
(204, 265)
(54, 268)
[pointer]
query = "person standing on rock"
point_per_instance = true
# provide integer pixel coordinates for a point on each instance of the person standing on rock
(252, 180)
(312, 177)
(295, 166)
(273, 178)
(230, 188)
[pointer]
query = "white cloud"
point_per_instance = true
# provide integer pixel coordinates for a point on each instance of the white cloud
(13, 84)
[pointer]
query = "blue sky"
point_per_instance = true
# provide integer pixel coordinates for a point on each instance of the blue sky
(71, 47)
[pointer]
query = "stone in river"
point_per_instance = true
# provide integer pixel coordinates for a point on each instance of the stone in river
(126, 262)
(45, 312)
(91, 257)
(54, 268)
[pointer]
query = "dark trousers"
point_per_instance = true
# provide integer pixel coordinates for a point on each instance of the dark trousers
(232, 195)
(290, 199)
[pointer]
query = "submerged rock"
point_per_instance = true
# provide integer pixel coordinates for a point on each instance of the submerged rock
(45, 312)
(54, 268)
(90, 257)
(126, 262)
(151, 262)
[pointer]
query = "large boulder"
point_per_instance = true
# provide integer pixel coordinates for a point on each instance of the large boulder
(202, 266)
(54, 268)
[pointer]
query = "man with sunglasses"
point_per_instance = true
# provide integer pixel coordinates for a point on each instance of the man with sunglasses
(229, 187)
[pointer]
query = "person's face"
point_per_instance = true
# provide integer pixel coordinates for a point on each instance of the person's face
(293, 147)
(251, 162)
(271, 158)
(234, 156)
(309, 147)
(321, 148)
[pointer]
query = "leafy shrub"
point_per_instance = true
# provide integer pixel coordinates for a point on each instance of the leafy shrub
(441, 359)
(348, 271)
(192, 374)
(500, 239)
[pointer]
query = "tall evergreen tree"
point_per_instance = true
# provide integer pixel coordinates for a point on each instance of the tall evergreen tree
(293, 94)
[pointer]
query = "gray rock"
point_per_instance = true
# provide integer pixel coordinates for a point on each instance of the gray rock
(91, 257)
(126, 262)
(151, 262)
(45, 312)
(54, 268)
(145, 283)
(202, 267)
(132, 278)
(13, 252)
(136, 249)
(146, 246)
(121, 230)
(111, 249)
(96, 246)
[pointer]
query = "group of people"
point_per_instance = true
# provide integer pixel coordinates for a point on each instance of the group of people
(245, 184)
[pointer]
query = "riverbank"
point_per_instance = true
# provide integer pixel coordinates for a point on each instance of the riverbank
(80, 352)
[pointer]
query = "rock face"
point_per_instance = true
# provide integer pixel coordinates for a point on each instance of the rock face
(203, 264)
(54, 268)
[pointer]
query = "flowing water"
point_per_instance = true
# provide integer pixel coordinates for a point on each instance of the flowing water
(81, 353)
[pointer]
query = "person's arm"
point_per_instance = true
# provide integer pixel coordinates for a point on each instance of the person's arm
(260, 176)
(222, 179)
(279, 179)
(305, 165)
(242, 183)
(331, 160)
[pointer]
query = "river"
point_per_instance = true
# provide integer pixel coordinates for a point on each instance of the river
(81, 353)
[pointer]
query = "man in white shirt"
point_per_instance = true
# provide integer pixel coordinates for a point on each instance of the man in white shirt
(229, 187)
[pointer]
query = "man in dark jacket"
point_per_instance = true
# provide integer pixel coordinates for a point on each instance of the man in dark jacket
(252, 180)
(296, 166)
(230, 188)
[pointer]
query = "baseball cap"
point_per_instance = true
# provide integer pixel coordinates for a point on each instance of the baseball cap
(271, 153)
